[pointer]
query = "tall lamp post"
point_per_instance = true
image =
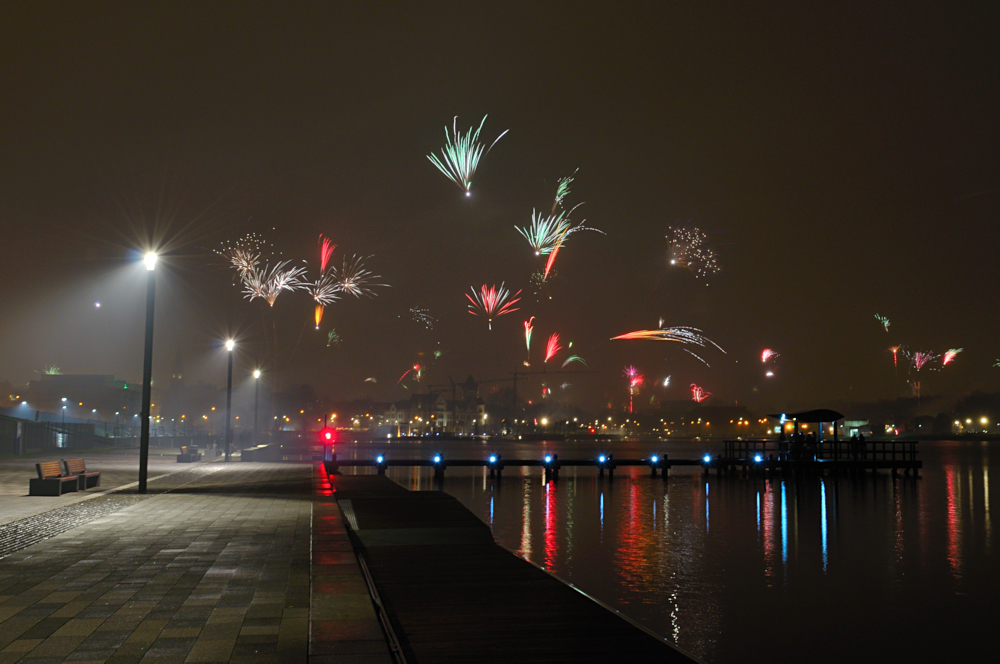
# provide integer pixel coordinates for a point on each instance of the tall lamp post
(147, 372)
(229, 395)
(256, 393)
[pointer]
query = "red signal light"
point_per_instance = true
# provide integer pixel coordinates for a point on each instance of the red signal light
(327, 436)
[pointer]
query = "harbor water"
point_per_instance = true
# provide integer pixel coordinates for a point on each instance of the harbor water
(867, 567)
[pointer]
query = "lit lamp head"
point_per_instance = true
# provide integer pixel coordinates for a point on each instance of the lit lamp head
(230, 345)
(150, 260)
(256, 373)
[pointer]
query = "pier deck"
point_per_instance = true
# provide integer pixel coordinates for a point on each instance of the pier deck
(453, 595)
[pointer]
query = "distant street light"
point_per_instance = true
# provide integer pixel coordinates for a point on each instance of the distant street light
(147, 371)
(256, 392)
(229, 395)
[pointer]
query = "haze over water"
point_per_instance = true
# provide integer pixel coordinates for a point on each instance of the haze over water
(731, 568)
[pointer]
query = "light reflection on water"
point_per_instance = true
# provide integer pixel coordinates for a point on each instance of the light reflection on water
(831, 568)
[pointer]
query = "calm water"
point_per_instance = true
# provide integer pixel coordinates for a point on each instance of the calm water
(733, 569)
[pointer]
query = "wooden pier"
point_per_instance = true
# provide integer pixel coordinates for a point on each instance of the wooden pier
(742, 456)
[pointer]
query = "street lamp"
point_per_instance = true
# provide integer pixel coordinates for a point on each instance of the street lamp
(229, 395)
(256, 393)
(147, 371)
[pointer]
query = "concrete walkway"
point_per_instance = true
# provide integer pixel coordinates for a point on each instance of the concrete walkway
(217, 563)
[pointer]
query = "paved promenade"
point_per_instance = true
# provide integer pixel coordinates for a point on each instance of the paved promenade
(215, 564)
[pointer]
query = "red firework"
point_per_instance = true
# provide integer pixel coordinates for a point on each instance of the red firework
(492, 301)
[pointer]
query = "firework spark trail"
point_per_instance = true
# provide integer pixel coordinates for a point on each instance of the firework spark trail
(681, 334)
(688, 248)
(417, 370)
(354, 278)
(492, 301)
(461, 155)
(884, 321)
(332, 338)
(666, 382)
(574, 358)
(326, 248)
(635, 380)
(529, 327)
(371, 379)
(919, 358)
(895, 350)
(545, 234)
(552, 347)
(269, 282)
(698, 394)
(767, 354)
(949, 356)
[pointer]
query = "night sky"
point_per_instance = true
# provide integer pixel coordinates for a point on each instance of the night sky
(842, 159)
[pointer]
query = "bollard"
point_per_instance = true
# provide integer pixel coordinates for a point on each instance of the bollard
(551, 465)
(439, 466)
(654, 461)
(495, 464)
(380, 464)
(601, 461)
(611, 467)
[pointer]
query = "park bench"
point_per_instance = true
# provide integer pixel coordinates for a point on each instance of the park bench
(77, 467)
(51, 481)
(189, 454)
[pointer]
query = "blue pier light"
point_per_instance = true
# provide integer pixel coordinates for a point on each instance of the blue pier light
(548, 458)
(437, 458)
(493, 458)
(707, 458)
(654, 459)
(379, 459)
(602, 459)
(757, 458)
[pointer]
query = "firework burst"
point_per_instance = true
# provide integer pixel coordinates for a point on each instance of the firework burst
(324, 291)
(332, 338)
(461, 154)
(681, 334)
(552, 347)
(949, 356)
(573, 358)
(423, 316)
(492, 302)
(562, 190)
(919, 358)
(884, 321)
(244, 254)
(688, 248)
(547, 234)
(268, 283)
(529, 327)
(767, 354)
(698, 394)
(353, 278)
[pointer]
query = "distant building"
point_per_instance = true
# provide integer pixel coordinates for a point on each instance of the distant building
(84, 397)
(434, 412)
